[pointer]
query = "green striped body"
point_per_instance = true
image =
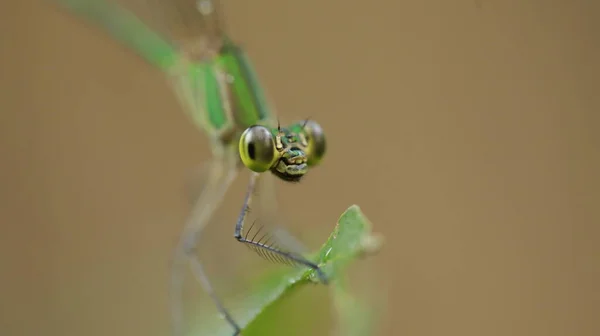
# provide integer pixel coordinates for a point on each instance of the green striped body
(220, 93)
(223, 95)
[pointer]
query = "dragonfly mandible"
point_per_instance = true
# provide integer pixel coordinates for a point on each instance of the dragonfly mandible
(218, 88)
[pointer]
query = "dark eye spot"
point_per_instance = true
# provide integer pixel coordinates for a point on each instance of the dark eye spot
(251, 151)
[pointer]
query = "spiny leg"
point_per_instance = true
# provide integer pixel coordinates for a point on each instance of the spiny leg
(220, 173)
(265, 247)
(266, 203)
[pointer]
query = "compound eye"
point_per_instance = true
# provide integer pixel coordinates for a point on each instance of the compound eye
(316, 142)
(257, 148)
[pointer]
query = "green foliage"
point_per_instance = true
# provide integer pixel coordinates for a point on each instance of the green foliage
(351, 239)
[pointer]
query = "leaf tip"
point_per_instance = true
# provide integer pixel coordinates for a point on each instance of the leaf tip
(370, 242)
(353, 208)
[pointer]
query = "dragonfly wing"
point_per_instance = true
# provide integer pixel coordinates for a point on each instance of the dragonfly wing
(158, 29)
(266, 206)
(264, 209)
(195, 27)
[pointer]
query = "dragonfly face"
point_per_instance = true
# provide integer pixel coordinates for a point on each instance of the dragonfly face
(287, 152)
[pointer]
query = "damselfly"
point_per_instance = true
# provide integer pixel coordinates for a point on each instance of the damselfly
(218, 88)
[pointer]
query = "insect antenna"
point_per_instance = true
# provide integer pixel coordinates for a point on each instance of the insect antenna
(305, 122)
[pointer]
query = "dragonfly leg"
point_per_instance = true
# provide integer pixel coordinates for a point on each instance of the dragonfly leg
(219, 174)
(202, 277)
(280, 254)
(266, 202)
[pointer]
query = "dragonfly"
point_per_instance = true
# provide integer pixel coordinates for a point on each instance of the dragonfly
(218, 88)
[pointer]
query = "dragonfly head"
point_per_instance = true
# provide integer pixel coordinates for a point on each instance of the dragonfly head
(286, 152)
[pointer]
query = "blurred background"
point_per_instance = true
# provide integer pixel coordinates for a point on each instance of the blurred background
(467, 131)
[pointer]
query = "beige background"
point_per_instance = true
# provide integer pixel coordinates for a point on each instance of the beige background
(466, 131)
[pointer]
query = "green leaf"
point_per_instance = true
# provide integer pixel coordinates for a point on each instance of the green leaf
(351, 239)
